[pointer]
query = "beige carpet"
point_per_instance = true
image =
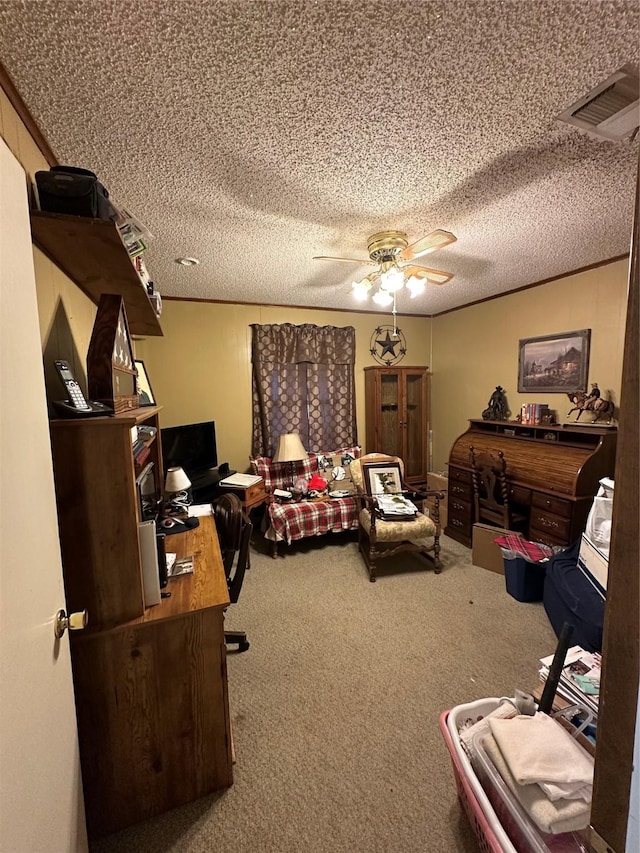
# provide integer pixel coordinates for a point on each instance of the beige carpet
(335, 706)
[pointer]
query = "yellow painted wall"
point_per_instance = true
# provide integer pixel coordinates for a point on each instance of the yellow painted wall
(66, 314)
(476, 348)
(201, 368)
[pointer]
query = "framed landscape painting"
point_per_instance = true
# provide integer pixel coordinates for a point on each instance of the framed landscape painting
(554, 364)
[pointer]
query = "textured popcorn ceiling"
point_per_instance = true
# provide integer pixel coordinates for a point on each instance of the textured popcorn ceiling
(254, 135)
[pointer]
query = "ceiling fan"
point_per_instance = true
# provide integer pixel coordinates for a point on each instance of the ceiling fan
(387, 250)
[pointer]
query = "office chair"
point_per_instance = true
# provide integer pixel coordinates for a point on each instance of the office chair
(491, 492)
(234, 534)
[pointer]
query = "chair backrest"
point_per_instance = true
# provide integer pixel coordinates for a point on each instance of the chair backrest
(490, 488)
(234, 534)
(356, 467)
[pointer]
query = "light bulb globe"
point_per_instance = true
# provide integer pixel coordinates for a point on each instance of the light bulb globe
(382, 297)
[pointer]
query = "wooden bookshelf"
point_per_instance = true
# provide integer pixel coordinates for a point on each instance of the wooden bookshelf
(92, 254)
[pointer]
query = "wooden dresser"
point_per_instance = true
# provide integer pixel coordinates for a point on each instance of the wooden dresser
(553, 473)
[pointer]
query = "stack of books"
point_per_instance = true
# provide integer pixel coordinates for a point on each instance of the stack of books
(580, 679)
(141, 452)
(532, 413)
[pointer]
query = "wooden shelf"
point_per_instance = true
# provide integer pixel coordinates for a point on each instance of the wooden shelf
(92, 254)
(130, 418)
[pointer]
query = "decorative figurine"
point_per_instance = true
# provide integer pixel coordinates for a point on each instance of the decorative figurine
(593, 403)
(497, 409)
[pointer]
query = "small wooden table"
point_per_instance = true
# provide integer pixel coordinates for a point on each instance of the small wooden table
(250, 496)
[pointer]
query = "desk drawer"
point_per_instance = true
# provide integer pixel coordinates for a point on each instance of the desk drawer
(556, 506)
(459, 509)
(458, 475)
(459, 517)
(460, 484)
(546, 538)
(520, 495)
(553, 525)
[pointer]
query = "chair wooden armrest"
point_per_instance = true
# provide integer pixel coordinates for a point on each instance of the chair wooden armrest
(437, 495)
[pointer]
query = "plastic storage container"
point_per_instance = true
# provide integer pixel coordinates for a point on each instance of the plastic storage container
(522, 831)
(524, 580)
(491, 836)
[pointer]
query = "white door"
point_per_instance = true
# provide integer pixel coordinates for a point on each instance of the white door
(41, 806)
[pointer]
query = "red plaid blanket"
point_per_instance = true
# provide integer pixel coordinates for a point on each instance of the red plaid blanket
(312, 518)
(534, 551)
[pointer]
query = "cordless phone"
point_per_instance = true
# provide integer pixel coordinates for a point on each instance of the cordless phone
(76, 405)
(76, 397)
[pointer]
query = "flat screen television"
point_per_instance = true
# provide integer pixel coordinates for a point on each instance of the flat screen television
(190, 446)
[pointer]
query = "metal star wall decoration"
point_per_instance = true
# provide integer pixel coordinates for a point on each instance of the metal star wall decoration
(388, 345)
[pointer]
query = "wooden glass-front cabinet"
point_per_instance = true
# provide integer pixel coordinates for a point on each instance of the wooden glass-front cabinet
(397, 416)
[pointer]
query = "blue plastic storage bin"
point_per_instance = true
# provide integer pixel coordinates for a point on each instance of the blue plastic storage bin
(524, 580)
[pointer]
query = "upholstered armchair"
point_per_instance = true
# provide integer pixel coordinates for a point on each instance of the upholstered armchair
(380, 535)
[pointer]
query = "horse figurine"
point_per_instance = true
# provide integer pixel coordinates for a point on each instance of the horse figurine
(583, 402)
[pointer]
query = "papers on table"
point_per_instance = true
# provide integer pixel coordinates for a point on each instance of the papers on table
(196, 510)
(240, 480)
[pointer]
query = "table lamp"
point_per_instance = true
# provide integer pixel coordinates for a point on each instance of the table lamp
(176, 482)
(290, 449)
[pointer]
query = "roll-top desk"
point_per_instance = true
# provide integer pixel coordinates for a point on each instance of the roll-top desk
(553, 473)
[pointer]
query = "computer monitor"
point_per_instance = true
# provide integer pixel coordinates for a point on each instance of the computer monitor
(191, 447)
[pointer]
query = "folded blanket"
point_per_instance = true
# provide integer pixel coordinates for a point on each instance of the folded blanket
(550, 817)
(537, 749)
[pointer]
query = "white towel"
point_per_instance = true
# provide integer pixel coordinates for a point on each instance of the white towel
(554, 818)
(471, 728)
(538, 750)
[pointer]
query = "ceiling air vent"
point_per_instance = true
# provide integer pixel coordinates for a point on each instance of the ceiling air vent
(611, 110)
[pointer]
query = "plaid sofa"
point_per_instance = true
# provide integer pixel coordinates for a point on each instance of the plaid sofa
(287, 522)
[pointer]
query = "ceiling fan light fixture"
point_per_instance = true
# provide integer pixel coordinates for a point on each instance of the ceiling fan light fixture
(361, 289)
(391, 277)
(383, 298)
(415, 286)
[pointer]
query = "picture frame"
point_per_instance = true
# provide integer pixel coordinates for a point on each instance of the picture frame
(554, 364)
(143, 386)
(382, 477)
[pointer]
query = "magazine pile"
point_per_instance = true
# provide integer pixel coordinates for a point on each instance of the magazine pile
(580, 679)
(396, 506)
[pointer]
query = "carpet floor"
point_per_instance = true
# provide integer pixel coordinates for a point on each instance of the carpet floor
(335, 706)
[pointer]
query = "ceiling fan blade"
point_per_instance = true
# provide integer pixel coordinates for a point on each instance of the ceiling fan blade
(436, 240)
(434, 276)
(346, 260)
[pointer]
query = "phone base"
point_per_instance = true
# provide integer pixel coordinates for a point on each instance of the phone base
(66, 410)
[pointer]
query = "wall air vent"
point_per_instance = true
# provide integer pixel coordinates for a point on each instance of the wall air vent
(611, 110)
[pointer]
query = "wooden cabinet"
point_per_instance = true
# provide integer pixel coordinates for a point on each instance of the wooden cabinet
(397, 416)
(92, 254)
(553, 474)
(98, 512)
(150, 683)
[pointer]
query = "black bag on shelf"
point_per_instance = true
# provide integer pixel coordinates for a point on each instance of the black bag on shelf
(78, 192)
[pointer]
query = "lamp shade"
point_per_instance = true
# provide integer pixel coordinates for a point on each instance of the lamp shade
(290, 448)
(177, 481)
